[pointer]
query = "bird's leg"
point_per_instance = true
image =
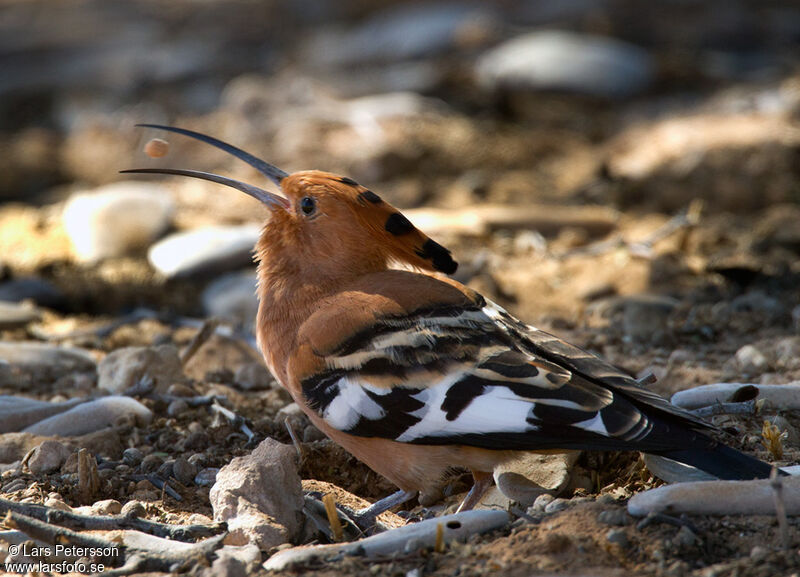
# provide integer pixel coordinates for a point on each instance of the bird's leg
(482, 483)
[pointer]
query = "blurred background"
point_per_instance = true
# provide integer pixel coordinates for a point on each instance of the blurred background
(625, 174)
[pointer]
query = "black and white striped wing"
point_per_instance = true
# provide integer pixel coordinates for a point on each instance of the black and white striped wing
(479, 377)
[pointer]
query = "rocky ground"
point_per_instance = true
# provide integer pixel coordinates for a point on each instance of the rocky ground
(626, 180)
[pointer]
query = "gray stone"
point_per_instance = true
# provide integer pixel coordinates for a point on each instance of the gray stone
(177, 407)
(48, 457)
(529, 475)
(206, 477)
(13, 315)
(16, 413)
(202, 251)
(260, 496)
(25, 363)
(116, 219)
(565, 61)
(253, 376)
(184, 471)
(541, 502)
(233, 297)
(132, 456)
(123, 368)
(93, 416)
(557, 505)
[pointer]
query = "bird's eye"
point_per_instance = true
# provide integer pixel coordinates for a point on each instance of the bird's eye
(308, 205)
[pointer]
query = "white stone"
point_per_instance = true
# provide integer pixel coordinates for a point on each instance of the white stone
(260, 496)
(554, 60)
(204, 250)
(115, 219)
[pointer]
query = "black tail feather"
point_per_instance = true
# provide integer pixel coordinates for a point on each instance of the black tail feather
(722, 462)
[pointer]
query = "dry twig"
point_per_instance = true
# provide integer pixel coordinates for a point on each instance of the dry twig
(70, 520)
(780, 507)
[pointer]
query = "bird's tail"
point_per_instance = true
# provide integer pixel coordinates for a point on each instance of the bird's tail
(722, 462)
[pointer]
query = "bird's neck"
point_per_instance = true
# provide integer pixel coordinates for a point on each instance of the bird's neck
(286, 299)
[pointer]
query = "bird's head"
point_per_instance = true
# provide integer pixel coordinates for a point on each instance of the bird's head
(323, 227)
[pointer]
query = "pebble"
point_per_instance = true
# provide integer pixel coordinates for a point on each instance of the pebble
(107, 507)
(184, 471)
(181, 390)
(618, 537)
(165, 471)
(203, 251)
(48, 457)
(557, 505)
(93, 416)
(115, 219)
(14, 315)
(16, 413)
(232, 297)
(55, 501)
(26, 363)
(196, 440)
(132, 456)
(541, 502)
(133, 508)
(751, 360)
(255, 514)
(564, 61)
(177, 408)
(716, 498)
(125, 367)
(206, 477)
(787, 396)
(759, 553)
(253, 377)
(151, 463)
(526, 477)
(615, 516)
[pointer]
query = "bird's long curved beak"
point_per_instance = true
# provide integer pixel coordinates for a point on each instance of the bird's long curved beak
(274, 173)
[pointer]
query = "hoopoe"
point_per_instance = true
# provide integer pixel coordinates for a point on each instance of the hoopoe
(416, 374)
